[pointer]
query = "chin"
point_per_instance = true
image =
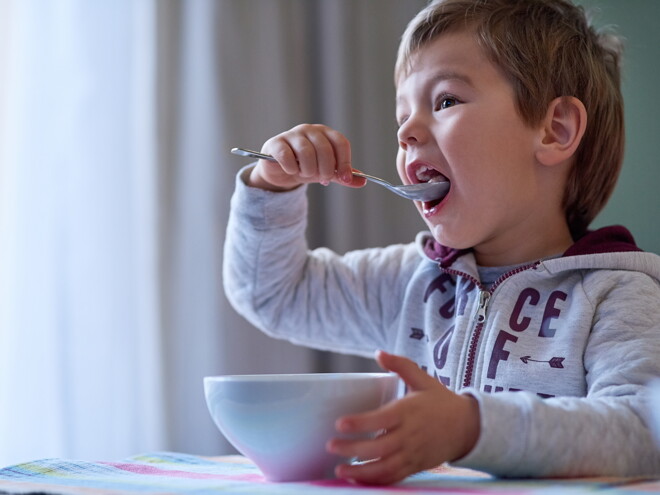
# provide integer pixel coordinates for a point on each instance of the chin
(442, 235)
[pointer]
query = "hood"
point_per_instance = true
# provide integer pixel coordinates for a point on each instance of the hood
(609, 248)
(614, 239)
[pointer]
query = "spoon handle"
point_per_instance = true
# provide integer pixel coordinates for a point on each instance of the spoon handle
(252, 154)
(270, 158)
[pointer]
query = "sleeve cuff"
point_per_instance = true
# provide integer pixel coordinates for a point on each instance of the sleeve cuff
(267, 209)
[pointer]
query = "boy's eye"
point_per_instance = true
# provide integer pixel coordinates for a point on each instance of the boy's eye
(446, 102)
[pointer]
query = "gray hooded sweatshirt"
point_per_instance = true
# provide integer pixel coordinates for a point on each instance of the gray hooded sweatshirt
(558, 352)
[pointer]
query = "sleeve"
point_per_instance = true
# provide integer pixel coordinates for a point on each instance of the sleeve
(317, 298)
(605, 433)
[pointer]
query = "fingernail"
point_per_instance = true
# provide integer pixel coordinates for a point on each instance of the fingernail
(344, 426)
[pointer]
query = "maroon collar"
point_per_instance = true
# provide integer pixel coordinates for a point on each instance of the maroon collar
(614, 239)
(444, 255)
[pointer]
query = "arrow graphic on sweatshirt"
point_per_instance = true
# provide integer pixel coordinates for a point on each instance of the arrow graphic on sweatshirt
(555, 362)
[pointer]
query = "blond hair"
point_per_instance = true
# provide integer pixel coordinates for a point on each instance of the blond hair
(547, 49)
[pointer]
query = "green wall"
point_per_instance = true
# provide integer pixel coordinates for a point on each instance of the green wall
(636, 200)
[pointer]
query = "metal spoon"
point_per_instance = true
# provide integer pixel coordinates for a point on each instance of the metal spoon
(426, 191)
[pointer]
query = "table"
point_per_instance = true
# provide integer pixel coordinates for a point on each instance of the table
(176, 473)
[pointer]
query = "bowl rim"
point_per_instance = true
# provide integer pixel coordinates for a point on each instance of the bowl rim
(300, 377)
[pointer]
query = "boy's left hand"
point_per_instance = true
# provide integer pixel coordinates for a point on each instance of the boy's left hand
(428, 426)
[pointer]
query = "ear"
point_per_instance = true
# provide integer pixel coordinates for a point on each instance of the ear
(561, 131)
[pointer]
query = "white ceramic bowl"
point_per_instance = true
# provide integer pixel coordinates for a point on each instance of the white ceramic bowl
(282, 422)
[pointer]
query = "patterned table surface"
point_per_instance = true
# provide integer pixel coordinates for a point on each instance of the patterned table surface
(168, 472)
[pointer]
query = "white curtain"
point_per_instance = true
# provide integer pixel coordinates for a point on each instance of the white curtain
(116, 117)
(80, 361)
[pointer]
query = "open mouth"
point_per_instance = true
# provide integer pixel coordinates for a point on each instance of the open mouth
(424, 173)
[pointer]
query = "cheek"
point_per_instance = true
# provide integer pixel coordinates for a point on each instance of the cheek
(488, 149)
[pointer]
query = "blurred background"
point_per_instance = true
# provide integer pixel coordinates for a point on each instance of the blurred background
(116, 120)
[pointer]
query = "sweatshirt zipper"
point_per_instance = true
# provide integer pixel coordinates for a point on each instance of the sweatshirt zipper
(484, 298)
(480, 314)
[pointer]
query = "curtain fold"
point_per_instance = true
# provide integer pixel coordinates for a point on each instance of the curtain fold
(116, 120)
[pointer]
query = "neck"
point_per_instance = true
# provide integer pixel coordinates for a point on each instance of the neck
(526, 245)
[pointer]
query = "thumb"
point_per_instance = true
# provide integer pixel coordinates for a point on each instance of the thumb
(414, 377)
(352, 180)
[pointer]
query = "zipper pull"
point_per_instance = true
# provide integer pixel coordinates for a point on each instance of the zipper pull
(484, 298)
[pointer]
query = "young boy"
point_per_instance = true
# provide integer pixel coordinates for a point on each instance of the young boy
(528, 340)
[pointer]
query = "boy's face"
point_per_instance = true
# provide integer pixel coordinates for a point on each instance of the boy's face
(458, 117)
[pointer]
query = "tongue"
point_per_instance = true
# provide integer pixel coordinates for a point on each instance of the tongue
(430, 175)
(428, 205)
(438, 178)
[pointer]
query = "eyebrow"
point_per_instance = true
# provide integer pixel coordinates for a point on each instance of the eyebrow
(446, 76)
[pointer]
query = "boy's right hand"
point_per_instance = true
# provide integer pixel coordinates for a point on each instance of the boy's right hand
(307, 153)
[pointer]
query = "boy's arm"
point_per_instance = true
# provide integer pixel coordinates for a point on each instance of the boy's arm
(315, 298)
(605, 433)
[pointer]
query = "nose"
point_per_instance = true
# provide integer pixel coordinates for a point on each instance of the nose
(412, 132)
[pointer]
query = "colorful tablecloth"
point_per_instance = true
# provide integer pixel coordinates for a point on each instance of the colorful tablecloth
(174, 473)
